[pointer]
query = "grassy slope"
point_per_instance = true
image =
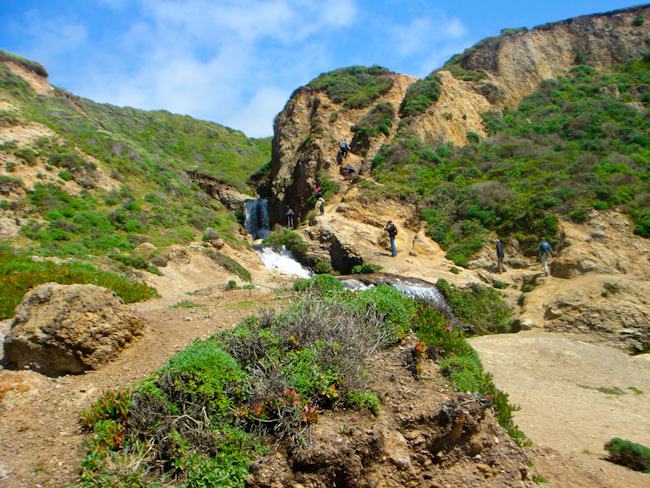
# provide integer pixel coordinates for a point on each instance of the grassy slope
(146, 151)
(579, 143)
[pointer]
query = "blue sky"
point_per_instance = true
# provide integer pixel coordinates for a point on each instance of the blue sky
(236, 62)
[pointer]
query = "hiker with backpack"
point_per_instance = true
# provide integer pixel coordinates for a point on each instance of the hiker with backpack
(344, 149)
(320, 205)
(392, 232)
(544, 251)
(500, 255)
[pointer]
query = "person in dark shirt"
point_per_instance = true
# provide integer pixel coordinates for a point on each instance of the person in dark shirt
(500, 255)
(392, 232)
(289, 215)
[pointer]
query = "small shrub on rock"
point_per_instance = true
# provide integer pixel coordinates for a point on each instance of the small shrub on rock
(322, 284)
(367, 268)
(626, 453)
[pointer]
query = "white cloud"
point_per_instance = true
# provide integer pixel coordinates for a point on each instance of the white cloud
(255, 118)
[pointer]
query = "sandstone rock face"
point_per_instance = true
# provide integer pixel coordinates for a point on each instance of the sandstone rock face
(605, 309)
(228, 195)
(307, 135)
(349, 234)
(61, 329)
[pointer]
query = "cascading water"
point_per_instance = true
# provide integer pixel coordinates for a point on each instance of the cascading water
(256, 218)
(281, 259)
(411, 287)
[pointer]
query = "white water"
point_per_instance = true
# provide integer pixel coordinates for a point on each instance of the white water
(352, 284)
(282, 261)
(256, 218)
(420, 290)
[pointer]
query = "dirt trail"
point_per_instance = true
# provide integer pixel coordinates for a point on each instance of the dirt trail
(555, 379)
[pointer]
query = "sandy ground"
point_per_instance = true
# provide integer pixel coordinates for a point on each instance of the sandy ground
(556, 380)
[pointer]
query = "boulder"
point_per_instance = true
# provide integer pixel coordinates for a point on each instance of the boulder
(602, 309)
(61, 329)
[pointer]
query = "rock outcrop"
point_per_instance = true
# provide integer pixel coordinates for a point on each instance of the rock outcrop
(229, 196)
(307, 134)
(62, 329)
(605, 309)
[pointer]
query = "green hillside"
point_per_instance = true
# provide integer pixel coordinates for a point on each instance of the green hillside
(146, 152)
(580, 143)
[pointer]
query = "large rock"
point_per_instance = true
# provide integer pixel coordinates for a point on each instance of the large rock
(605, 309)
(61, 329)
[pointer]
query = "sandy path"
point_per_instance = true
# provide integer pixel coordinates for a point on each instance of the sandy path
(547, 374)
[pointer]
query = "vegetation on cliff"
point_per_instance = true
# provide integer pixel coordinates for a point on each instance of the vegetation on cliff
(579, 143)
(355, 86)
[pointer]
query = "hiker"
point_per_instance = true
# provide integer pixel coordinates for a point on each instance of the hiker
(500, 255)
(320, 205)
(350, 171)
(344, 149)
(319, 192)
(289, 215)
(392, 232)
(544, 251)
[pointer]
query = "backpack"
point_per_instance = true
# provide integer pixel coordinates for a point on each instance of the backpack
(544, 246)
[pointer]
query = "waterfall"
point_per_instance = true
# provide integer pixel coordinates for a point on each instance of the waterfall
(411, 287)
(256, 218)
(281, 259)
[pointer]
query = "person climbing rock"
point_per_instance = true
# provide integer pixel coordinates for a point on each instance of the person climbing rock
(500, 255)
(345, 149)
(544, 251)
(350, 171)
(289, 215)
(319, 192)
(320, 205)
(392, 232)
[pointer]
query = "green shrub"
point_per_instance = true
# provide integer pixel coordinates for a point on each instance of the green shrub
(231, 285)
(473, 137)
(205, 370)
(420, 96)
(291, 240)
(18, 274)
(634, 456)
(393, 305)
(355, 86)
(323, 284)
(136, 262)
(480, 307)
(364, 399)
(322, 266)
(26, 154)
(229, 264)
(366, 268)
(65, 175)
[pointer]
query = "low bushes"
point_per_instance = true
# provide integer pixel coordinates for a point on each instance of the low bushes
(481, 307)
(19, 273)
(198, 419)
(634, 456)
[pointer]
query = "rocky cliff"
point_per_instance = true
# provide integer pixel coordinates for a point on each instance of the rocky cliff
(496, 73)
